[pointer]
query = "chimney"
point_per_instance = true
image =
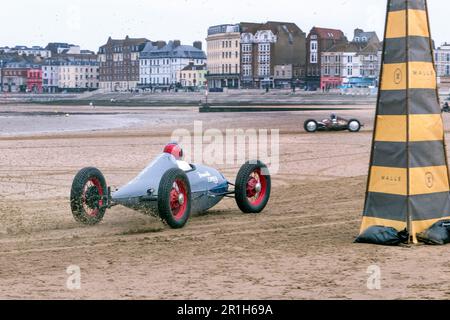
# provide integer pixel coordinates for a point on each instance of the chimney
(160, 44)
(176, 43)
(358, 32)
(198, 45)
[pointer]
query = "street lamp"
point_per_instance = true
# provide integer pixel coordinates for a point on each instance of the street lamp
(1, 76)
(206, 95)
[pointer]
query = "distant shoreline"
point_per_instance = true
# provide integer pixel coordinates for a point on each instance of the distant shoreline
(243, 98)
(237, 98)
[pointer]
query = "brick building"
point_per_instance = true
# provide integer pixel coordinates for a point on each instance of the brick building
(119, 64)
(318, 41)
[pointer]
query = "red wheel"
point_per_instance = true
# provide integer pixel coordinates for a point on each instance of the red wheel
(253, 187)
(256, 187)
(92, 197)
(88, 196)
(174, 198)
(178, 199)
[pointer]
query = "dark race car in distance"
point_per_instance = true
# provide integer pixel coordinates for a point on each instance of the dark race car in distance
(333, 123)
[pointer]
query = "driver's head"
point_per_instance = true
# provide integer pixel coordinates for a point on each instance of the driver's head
(333, 117)
(174, 149)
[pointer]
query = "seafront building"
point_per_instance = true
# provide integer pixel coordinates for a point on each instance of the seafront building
(192, 76)
(70, 70)
(351, 65)
(247, 55)
(20, 74)
(119, 64)
(442, 60)
(319, 40)
(161, 62)
(34, 51)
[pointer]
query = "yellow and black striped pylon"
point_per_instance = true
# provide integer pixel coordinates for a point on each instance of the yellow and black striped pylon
(408, 184)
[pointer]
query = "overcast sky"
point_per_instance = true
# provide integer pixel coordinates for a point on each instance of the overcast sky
(90, 22)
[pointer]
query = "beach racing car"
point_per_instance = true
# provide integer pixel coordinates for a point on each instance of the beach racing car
(333, 123)
(170, 189)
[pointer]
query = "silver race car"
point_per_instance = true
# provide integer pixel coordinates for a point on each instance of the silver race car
(170, 189)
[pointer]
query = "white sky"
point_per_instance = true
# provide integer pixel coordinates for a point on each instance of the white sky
(90, 22)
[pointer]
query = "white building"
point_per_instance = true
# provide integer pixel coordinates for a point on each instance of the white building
(160, 62)
(351, 64)
(35, 51)
(258, 71)
(50, 76)
(442, 59)
(70, 73)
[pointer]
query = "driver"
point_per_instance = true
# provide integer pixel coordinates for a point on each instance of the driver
(174, 149)
(333, 118)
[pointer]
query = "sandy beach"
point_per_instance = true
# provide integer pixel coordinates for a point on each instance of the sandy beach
(300, 247)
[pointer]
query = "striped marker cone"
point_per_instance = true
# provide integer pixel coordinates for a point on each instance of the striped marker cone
(408, 186)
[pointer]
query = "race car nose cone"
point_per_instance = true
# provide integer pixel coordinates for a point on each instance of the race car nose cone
(181, 199)
(258, 187)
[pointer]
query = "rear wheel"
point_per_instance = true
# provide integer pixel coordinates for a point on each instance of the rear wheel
(354, 125)
(311, 126)
(174, 198)
(253, 187)
(88, 196)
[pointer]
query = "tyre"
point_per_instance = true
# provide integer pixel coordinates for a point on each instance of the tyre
(88, 196)
(354, 125)
(311, 126)
(174, 198)
(253, 187)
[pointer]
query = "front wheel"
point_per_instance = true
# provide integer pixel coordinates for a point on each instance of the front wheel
(253, 187)
(88, 196)
(311, 126)
(354, 125)
(174, 198)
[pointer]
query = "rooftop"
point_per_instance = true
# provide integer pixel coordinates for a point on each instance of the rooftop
(171, 50)
(326, 33)
(192, 67)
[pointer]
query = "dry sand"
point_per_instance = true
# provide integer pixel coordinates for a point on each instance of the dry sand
(300, 247)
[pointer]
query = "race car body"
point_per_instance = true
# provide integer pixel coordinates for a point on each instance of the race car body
(208, 186)
(333, 123)
(171, 189)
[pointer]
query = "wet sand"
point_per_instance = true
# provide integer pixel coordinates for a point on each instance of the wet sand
(300, 247)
